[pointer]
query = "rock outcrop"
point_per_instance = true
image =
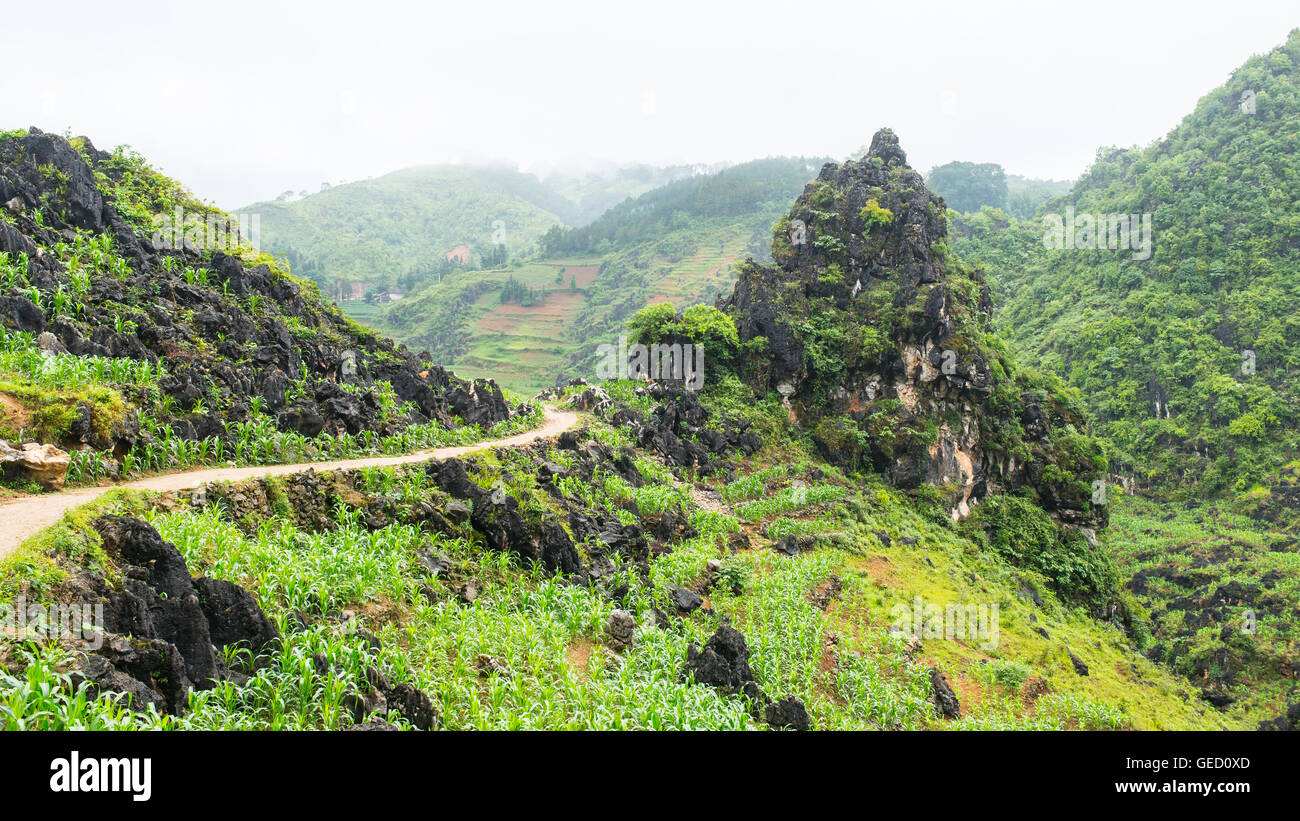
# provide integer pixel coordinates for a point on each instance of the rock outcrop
(234, 337)
(877, 341)
(723, 664)
(163, 629)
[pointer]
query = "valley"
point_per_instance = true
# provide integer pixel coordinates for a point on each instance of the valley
(942, 473)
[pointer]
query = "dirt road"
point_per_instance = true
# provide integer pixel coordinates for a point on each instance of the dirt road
(21, 518)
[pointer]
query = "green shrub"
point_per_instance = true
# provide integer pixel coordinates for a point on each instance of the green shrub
(1025, 535)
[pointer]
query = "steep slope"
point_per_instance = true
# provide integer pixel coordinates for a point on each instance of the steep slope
(1185, 354)
(1186, 359)
(141, 356)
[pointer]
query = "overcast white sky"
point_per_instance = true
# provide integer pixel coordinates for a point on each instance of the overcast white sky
(242, 100)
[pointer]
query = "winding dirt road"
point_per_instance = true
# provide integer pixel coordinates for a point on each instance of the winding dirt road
(22, 517)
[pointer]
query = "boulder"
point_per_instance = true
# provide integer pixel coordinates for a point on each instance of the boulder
(685, 600)
(414, 705)
(46, 465)
(163, 627)
(621, 628)
(787, 714)
(724, 665)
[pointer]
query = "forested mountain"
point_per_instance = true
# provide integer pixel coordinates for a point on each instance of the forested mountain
(1186, 355)
(394, 230)
(753, 187)
(588, 195)
(968, 186)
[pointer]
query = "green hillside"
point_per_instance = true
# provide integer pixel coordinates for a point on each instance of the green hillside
(759, 186)
(677, 244)
(394, 231)
(522, 340)
(397, 227)
(592, 194)
(1188, 358)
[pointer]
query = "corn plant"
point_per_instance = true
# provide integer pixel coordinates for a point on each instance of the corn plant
(88, 466)
(13, 270)
(790, 499)
(42, 698)
(785, 526)
(751, 486)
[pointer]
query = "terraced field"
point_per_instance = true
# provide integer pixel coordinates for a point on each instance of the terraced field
(525, 347)
(700, 278)
(519, 345)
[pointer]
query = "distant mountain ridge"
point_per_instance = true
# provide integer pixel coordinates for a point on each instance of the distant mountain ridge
(392, 231)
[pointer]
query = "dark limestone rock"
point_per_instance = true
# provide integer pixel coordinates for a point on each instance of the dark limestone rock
(686, 601)
(724, 661)
(788, 714)
(870, 230)
(234, 616)
(945, 700)
(105, 678)
(724, 665)
(175, 623)
(558, 551)
(414, 705)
